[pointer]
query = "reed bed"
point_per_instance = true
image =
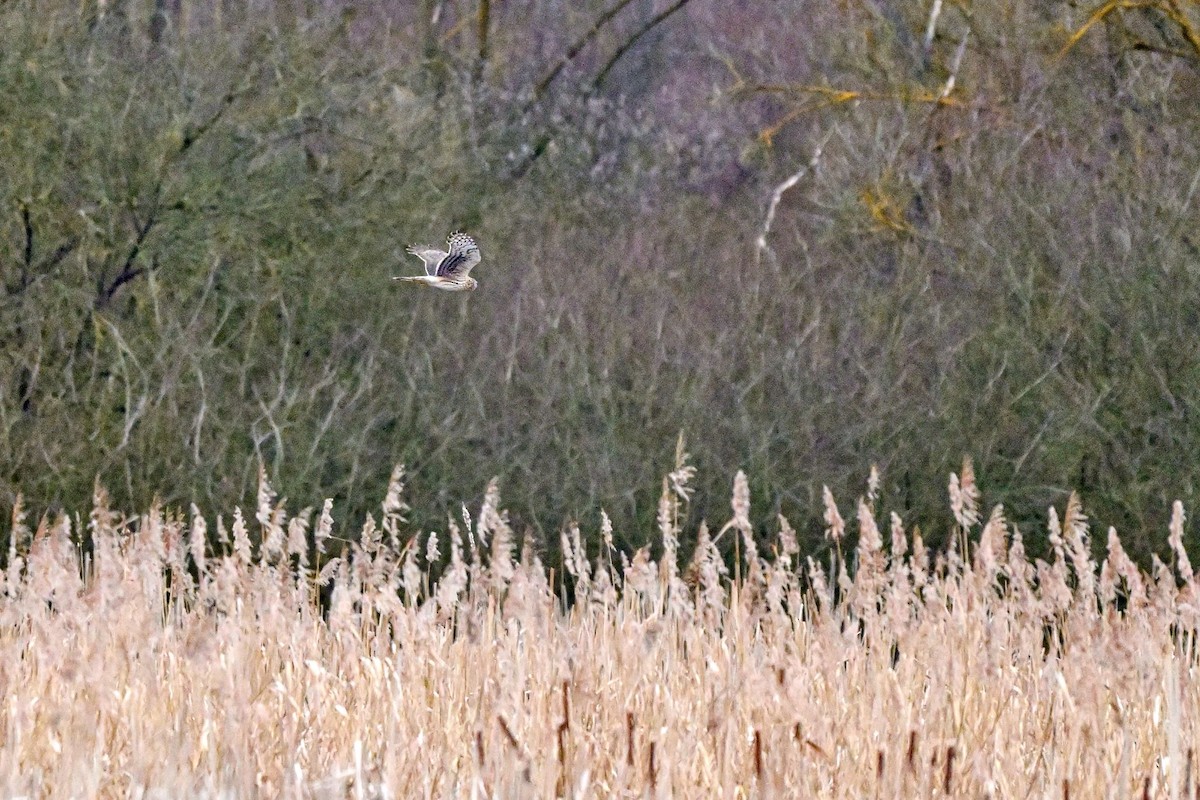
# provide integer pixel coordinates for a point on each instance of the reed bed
(170, 656)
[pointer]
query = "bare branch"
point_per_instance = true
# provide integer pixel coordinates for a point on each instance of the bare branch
(29, 270)
(485, 15)
(954, 65)
(625, 48)
(1100, 13)
(128, 271)
(574, 50)
(761, 245)
(543, 141)
(931, 31)
(28, 225)
(193, 135)
(1174, 10)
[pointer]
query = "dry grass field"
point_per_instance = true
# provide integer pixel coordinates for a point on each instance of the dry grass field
(138, 662)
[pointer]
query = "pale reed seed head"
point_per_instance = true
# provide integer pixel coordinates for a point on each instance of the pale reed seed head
(964, 496)
(869, 538)
(899, 539)
(578, 552)
(489, 512)
(324, 526)
(741, 518)
(681, 476)
(270, 518)
(1176, 541)
(741, 501)
(1120, 566)
(198, 541)
(919, 560)
(709, 569)
(564, 544)
(992, 547)
(1054, 528)
(330, 571)
(667, 514)
(1019, 571)
(1075, 534)
(393, 504)
(641, 576)
(466, 518)
(818, 583)
(606, 531)
(788, 544)
(241, 538)
(370, 539)
(411, 573)
(605, 593)
(19, 531)
(297, 536)
(1163, 591)
(454, 580)
(871, 564)
(835, 526)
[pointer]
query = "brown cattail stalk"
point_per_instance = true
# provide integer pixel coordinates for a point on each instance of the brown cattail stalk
(948, 776)
(629, 738)
(508, 734)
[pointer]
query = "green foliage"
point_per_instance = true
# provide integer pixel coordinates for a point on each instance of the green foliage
(196, 236)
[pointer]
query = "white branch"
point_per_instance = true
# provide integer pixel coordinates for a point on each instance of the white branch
(777, 195)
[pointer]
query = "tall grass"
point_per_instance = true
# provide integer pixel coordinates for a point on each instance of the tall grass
(139, 661)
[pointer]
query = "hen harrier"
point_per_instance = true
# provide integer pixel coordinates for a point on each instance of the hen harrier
(447, 271)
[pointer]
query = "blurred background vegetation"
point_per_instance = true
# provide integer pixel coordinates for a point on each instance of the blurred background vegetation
(997, 254)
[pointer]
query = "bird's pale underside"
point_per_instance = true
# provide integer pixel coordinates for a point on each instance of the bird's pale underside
(448, 271)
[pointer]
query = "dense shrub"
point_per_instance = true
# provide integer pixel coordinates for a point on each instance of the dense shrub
(199, 213)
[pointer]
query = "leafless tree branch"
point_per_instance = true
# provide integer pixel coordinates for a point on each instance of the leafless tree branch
(761, 245)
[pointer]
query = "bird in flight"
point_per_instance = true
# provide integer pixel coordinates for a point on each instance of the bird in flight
(447, 271)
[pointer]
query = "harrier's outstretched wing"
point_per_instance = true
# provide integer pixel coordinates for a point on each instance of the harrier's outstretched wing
(463, 256)
(431, 256)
